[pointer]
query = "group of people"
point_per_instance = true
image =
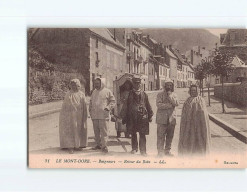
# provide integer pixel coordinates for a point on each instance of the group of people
(136, 114)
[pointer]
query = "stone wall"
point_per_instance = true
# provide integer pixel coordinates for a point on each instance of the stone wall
(233, 92)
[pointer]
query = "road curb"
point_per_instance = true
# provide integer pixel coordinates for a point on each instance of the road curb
(44, 113)
(229, 128)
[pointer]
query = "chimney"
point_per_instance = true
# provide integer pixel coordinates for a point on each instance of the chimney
(170, 47)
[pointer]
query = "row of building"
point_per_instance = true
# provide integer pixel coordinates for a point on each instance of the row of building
(111, 52)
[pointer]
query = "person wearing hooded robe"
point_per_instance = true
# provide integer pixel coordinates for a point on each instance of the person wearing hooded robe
(166, 103)
(73, 119)
(101, 103)
(194, 137)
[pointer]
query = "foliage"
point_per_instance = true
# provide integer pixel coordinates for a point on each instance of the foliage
(199, 72)
(222, 64)
(222, 67)
(46, 81)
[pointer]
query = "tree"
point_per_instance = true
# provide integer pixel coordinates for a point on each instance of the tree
(222, 67)
(200, 75)
(208, 68)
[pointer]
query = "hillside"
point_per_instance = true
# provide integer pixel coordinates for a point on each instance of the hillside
(183, 39)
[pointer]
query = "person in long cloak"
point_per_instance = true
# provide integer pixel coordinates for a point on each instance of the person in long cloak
(194, 137)
(73, 119)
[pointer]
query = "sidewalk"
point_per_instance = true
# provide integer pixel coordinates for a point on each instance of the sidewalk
(235, 117)
(41, 108)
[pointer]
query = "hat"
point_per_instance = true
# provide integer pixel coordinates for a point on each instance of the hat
(136, 79)
(76, 81)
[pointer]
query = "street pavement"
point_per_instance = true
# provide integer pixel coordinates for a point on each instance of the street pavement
(44, 136)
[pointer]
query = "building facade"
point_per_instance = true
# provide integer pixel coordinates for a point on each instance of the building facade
(107, 56)
(190, 74)
(90, 52)
(172, 61)
(234, 42)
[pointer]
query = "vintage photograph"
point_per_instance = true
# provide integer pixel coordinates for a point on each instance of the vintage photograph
(137, 98)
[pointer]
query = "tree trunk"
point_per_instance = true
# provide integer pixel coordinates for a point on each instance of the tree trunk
(222, 95)
(202, 88)
(208, 96)
(208, 93)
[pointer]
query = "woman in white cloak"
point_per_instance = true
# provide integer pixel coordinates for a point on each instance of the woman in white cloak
(194, 137)
(73, 119)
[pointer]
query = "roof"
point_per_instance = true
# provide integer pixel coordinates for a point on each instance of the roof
(107, 35)
(155, 42)
(238, 62)
(179, 56)
(169, 52)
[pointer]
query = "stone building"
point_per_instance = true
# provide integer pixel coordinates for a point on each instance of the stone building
(91, 52)
(139, 58)
(190, 74)
(240, 71)
(235, 42)
(162, 69)
(172, 61)
(182, 78)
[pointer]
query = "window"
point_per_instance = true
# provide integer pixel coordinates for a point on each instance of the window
(115, 62)
(97, 59)
(97, 56)
(97, 43)
(108, 59)
(120, 63)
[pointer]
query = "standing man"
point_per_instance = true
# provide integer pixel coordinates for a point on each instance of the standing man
(166, 103)
(101, 103)
(137, 115)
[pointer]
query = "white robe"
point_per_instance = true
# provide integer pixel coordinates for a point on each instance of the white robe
(194, 137)
(73, 121)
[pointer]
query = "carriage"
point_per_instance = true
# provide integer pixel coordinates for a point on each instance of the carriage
(121, 87)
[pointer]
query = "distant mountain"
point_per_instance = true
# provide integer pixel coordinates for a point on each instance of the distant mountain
(183, 39)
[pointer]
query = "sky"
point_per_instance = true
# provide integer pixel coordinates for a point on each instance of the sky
(217, 32)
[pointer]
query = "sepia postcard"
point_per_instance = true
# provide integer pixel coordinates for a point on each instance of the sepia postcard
(137, 98)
